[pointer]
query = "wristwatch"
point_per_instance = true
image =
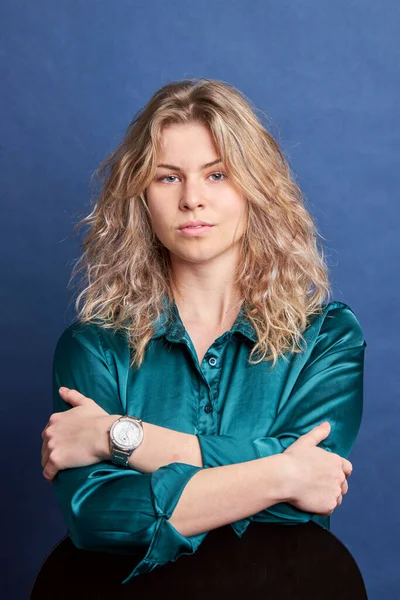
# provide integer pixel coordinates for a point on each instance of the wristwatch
(126, 434)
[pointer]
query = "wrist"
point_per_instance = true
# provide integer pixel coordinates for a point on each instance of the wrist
(104, 452)
(279, 476)
(285, 478)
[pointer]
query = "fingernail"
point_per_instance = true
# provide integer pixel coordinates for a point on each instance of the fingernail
(62, 389)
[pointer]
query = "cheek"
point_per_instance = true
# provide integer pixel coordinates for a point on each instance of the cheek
(162, 225)
(234, 213)
(234, 224)
(158, 214)
(160, 228)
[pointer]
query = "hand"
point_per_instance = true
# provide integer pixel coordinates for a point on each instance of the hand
(76, 437)
(317, 478)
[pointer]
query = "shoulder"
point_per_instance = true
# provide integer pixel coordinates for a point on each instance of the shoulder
(91, 337)
(341, 318)
(336, 328)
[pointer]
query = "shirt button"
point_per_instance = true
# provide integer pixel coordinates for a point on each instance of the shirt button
(212, 361)
(208, 408)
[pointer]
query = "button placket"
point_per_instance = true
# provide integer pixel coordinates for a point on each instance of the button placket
(212, 372)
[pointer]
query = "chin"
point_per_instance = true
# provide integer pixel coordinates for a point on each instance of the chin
(205, 258)
(195, 257)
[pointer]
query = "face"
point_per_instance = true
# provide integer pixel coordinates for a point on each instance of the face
(193, 186)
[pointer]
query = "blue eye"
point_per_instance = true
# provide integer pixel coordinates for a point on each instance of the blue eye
(174, 176)
(219, 173)
(165, 177)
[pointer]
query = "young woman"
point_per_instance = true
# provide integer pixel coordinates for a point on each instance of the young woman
(204, 340)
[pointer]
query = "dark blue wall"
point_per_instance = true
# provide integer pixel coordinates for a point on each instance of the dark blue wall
(73, 73)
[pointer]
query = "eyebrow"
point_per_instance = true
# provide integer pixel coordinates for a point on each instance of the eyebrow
(175, 168)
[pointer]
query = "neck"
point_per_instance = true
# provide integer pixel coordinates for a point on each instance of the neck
(206, 294)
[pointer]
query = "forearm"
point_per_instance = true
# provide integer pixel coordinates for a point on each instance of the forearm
(160, 446)
(222, 495)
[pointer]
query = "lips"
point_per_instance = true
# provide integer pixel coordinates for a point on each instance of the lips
(194, 224)
(194, 230)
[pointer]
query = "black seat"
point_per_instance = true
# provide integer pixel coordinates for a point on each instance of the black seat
(274, 561)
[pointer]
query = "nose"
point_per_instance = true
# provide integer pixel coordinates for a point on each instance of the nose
(192, 195)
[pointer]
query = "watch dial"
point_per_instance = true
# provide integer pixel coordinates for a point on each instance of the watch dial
(127, 433)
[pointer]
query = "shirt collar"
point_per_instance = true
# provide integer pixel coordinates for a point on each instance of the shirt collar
(170, 325)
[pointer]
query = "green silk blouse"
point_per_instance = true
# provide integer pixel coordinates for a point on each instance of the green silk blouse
(238, 411)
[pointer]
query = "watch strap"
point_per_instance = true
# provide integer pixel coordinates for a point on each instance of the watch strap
(118, 455)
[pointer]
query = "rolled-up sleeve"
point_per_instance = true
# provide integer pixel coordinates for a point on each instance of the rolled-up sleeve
(107, 507)
(329, 387)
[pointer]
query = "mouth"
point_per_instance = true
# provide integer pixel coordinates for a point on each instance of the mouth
(194, 230)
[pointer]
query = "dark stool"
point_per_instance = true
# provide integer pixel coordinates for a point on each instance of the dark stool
(270, 561)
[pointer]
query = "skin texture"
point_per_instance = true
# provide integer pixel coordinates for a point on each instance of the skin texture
(71, 438)
(203, 269)
(79, 437)
(175, 197)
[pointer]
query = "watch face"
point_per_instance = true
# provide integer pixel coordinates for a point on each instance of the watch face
(127, 434)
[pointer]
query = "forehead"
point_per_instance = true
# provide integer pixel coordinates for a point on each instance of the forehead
(186, 142)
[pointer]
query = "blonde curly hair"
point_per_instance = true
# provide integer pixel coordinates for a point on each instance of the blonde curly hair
(281, 274)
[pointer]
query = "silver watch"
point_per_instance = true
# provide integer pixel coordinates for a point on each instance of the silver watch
(126, 434)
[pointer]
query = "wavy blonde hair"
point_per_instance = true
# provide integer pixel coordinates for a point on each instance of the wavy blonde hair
(281, 273)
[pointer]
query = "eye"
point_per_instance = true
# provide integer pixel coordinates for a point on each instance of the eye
(218, 173)
(165, 177)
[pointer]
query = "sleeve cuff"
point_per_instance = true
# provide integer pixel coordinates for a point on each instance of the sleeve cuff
(167, 544)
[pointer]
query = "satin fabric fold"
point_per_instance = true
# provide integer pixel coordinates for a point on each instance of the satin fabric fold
(239, 412)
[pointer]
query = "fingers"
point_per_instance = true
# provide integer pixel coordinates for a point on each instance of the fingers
(49, 468)
(73, 397)
(49, 473)
(44, 431)
(344, 489)
(45, 455)
(347, 467)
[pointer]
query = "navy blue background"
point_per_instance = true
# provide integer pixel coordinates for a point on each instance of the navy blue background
(73, 74)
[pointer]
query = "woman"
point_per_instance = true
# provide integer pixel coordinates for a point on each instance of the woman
(203, 315)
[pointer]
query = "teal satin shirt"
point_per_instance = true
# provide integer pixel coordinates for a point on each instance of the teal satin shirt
(238, 411)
